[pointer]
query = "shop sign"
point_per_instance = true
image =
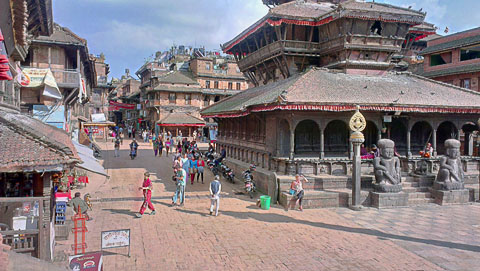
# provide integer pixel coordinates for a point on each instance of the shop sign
(115, 238)
(88, 261)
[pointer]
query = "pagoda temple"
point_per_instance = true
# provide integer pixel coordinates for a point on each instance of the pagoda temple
(313, 63)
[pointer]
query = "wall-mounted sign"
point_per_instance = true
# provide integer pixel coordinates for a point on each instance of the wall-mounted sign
(387, 118)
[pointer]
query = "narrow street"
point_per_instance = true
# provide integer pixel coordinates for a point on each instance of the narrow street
(242, 237)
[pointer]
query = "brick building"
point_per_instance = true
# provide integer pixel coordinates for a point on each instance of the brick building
(65, 56)
(454, 59)
(182, 82)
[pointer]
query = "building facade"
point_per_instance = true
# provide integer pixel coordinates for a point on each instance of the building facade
(454, 59)
(70, 73)
(182, 84)
(313, 63)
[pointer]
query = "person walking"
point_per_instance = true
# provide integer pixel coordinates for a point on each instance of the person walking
(200, 168)
(160, 147)
(147, 188)
(297, 188)
(193, 169)
(167, 145)
(155, 147)
(181, 180)
(129, 131)
(215, 189)
(117, 147)
(186, 163)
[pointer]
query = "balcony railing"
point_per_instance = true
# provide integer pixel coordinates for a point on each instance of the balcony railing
(275, 48)
(67, 78)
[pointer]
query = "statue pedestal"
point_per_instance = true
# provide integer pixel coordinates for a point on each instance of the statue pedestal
(451, 197)
(389, 200)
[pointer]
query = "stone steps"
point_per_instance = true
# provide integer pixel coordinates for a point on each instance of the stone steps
(420, 201)
(314, 199)
(419, 195)
(415, 189)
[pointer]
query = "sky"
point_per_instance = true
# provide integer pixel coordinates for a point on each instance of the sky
(130, 31)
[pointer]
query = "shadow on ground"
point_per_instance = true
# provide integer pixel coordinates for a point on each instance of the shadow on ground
(276, 218)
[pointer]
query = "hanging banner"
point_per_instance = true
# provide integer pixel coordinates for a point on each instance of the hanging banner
(122, 105)
(34, 78)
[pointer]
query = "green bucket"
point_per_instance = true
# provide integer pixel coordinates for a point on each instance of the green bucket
(265, 202)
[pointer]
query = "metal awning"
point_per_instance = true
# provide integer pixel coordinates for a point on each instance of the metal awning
(90, 163)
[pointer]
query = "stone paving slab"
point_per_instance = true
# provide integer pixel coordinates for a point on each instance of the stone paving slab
(244, 237)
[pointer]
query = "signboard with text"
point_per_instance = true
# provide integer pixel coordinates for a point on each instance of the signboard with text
(115, 238)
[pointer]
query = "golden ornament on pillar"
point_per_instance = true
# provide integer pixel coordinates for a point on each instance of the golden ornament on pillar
(357, 122)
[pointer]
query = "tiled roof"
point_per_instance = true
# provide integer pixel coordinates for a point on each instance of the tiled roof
(455, 70)
(307, 10)
(29, 144)
(171, 88)
(330, 88)
(180, 118)
(315, 12)
(62, 35)
(451, 44)
(178, 77)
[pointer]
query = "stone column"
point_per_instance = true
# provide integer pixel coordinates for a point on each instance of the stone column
(470, 144)
(292, 143)
(356, 139)
(434, 142)
(350, 148)
(322, 145)
(409, 151)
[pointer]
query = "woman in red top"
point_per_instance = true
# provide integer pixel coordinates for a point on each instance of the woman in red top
(200, 167)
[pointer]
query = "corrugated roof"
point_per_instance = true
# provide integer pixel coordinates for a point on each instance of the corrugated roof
(327, 87)
(451, 44)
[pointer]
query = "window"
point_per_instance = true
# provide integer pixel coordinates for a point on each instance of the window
(239, 86)
(376, 28)
(188, 98)
(217, 98)
(207, 84)
(206, 101)
(465, 83)
(207, 67)
(440, 59)
(230, 85)
(215, 84)
(470, 53)
(172, 98)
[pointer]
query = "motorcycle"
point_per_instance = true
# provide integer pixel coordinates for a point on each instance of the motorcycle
(230, 176)
(133, 153)
(250, 186)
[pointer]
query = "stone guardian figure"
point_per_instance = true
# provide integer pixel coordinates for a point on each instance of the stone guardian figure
(451, 175)
(387, 168)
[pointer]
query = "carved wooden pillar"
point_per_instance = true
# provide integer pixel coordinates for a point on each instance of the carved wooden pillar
(434, 144)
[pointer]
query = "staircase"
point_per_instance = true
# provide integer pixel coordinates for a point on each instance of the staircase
(418, 190)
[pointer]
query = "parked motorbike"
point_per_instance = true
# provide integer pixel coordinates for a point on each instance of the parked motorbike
(250, 186)
(230, 176)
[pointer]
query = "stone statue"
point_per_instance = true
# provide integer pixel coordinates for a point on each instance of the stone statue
(387, 168)
(450, 175)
